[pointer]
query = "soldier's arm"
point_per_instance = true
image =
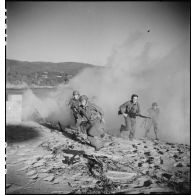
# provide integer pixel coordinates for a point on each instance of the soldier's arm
(70, 103)
(122, 108)
(100, 110)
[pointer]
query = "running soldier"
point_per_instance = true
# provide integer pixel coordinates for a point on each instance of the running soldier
(153, 112)
(94, 127)
(74, 106)
(129, 110)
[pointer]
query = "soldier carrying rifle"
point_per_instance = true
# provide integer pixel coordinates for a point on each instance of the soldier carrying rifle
(130, 110)
(74, 106)
(153, 112)
(94, 117)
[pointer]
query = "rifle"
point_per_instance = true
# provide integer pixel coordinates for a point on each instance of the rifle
(133, 115)
(142, 116)
(82, 113)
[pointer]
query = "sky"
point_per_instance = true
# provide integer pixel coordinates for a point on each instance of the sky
(89, 31)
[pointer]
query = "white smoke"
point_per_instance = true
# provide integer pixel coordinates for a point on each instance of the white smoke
(137, 67)
(155, 73)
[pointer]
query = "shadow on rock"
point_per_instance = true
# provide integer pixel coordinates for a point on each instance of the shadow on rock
(66, 131)
(20, 133)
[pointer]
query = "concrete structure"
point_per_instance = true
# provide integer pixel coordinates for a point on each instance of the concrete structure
(14, 108)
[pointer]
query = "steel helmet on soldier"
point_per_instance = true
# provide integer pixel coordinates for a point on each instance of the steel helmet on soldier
(75, 92)
(83, 97)
(154, 104)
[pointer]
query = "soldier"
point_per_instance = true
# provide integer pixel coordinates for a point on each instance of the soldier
(129, 110)
(94, 116)
(74, 106)
(153, 112)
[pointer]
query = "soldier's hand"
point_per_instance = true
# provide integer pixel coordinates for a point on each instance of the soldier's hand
(102, 120)
(125, 115)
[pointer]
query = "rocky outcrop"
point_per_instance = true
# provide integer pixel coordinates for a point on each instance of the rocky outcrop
(122, 166)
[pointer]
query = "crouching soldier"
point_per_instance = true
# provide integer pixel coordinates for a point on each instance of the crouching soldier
(129, 110)
(74, 106)
(153, 112)
(94, 126)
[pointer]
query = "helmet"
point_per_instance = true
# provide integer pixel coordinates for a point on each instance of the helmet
(83, 97)
(75, 92)
(154, 104)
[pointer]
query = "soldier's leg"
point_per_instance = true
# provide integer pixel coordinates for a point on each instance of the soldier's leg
(75, 117)
(96, 129)
(127, 125)
(156, 131)
(148, 127)
(94, 132)
(80, 123)
(133, 127)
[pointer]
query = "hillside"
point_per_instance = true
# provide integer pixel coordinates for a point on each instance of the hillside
(42, 73)
(43, 158)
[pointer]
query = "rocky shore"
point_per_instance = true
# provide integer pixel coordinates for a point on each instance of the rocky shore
(60, 161)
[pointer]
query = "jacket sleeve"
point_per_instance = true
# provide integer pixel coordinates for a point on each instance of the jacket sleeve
(70, 103)
(122, 108)
(100, 110)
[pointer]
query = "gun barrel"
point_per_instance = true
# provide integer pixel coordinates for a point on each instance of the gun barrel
(140, 115)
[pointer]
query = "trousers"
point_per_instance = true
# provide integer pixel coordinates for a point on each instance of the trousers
(149, 124)
(95, 132)
(130, 124)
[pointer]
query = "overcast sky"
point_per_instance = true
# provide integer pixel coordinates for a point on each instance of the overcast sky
(87, 31)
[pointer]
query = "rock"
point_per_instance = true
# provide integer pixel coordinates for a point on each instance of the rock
(20, 160)
(161, 161)
(139, 164)
(178, 164)
(166, 175)
(49, 156)
(150, 160)
(36, 157)
(44, 170)
(147, 183)
(160, 152)
(43, 175)
(31, 162)
(58, 180)
(8, 185)
(120, 176)
(38, 164)
(34, 176)
(147, 153)
(49, 178)
(31, 172)
(23, 168)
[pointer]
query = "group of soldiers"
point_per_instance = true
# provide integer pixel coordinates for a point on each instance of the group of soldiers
(89, 118)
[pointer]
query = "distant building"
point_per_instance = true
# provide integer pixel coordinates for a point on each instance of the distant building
(44, 76)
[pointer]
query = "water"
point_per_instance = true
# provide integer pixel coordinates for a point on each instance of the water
(39, 92)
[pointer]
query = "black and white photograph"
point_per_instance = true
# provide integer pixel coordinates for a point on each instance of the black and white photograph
(98, 97)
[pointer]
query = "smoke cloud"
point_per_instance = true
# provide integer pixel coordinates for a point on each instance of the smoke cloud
(50, 105)
(155, 73)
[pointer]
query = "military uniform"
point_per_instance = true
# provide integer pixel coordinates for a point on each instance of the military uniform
(153, 122)
(94, 127)
(131, 109)
(74, 106)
